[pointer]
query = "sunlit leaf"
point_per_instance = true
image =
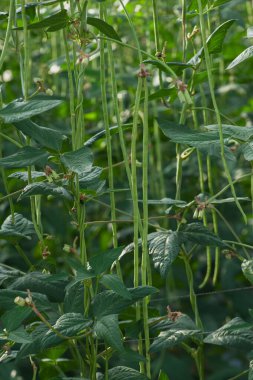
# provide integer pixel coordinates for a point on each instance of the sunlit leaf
(246, 54)
(20, 109)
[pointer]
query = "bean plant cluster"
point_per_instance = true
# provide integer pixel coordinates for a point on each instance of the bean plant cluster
(126, 190)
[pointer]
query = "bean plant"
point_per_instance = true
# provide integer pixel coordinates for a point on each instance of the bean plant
(126, 189)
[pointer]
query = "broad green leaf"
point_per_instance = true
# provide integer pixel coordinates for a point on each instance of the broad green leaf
(26, 156)
(197, 233)
(214, 42)
(23, 176)
(171, 338)
(246, 54)
(19, 109)
(107, 328)
(78, 161)
(206, 142)
(89, 181)
(182, 322)
(164, 249)
(232, 334)
(247, 150)
(20, 336)
(21, 228)
(13, 318)
(104, 260)
(99, 135)
(103, 27)
(54, 22)
(38, 282)
(109, 302)
(74, 299)
(69, 324)
(8, 275)
(46, 137)
(36, 345)
(45, 188)
(80, 275)
(7, 297)
(123, 373)
(247, 268)
(233, 131)
(130, 247)
(113, 282)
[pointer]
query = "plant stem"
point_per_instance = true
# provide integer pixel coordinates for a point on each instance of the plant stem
(145, 257)
(8, 32)
(215, 106)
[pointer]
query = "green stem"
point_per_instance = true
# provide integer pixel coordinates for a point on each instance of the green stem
(215, 106)
(145, 256)
(11, 19)
(107, 132)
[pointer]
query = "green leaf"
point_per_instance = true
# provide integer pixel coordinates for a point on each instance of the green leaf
(246, 54)
(158, 64)
(233, 131)
(214, 42)
(197, 233)
(103, 27)
(123, 373)
(104, 260)
(182, 322)
(38, 282)
(232, 334)
(26, 156)
(20, 109)
(247, 268)
(107, 328)
(74, 299)
(193, 6)
(45, 188)
(206, 142)
(7, 297)
(69, 324)
(171, 338)
(23, 176)
(113, 282)
(20, 336)
(46, 137)
(21, 228)
(218, 3)
(3, 15)
(247, 150)
(109, 302)
(113, 130)
(164, 249)
(163, 376)
(54, 22)
(13, 318)
(78, 161)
